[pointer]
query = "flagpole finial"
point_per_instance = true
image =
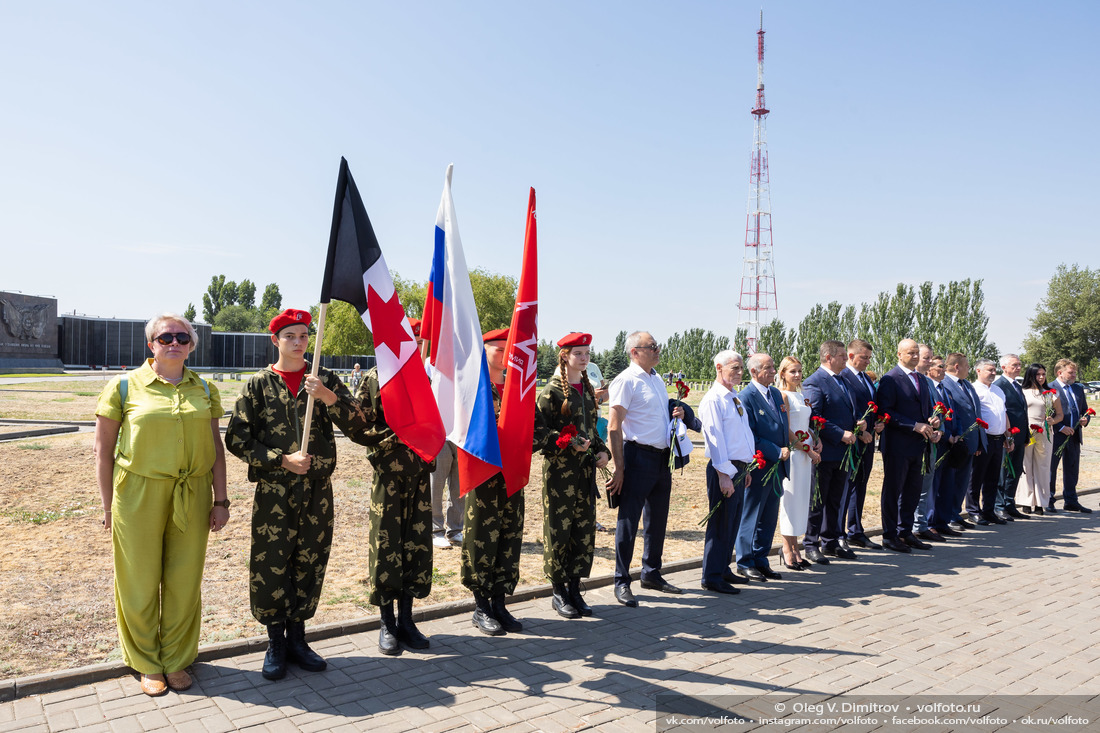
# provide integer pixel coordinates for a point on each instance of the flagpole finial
(450, 169)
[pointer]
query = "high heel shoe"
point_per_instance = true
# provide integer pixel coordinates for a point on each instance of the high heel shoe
(790, 566)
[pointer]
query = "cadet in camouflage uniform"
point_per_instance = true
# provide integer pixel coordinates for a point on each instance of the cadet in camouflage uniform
(569, 474)
(400, 556)
(492, 534)
(292, 513)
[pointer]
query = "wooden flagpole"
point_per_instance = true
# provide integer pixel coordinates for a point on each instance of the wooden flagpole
(304, 442)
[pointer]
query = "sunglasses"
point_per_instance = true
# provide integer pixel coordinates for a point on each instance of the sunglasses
(166, 338)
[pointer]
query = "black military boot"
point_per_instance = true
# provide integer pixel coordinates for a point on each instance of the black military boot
(507, 621)
(407, 633)
(298, 651)
(578, 600)
(275, 659)
(563, 602)
(483, 617)
(387, 633)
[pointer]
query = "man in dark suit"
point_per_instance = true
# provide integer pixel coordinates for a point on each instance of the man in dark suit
(771, 433)
(862, 390)
(1017, 418)
(956, 479)
(903, 393)
(1070, 433)
(830, 399)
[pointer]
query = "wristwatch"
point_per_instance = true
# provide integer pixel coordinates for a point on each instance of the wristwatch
(224, 503)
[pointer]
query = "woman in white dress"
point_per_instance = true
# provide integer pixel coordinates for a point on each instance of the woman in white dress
(794, 505)
(1034, 493)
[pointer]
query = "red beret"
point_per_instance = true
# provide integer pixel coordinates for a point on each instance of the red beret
(575, 339)
(289, 317)
(415, 323)
(500, 334)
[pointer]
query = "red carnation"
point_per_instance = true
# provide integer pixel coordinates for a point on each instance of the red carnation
(885, 418)
(759, 459)
(982, 424)
(872, 407)
(1014, 431)
(1090, 412)
(1037, 429)
(566, 436)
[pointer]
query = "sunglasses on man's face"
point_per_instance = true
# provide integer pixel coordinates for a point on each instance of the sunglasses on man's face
(166, 338)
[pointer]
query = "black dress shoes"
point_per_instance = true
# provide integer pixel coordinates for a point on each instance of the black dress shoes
(1039, 510)
(1077, 508)
(752, 574)
(863, 540)
(1051, 510)
(814, 554)
(965, 524)
(912, 541)
(624, 596)
(721, 587)
(660, 584)
(979, 520)
(731, 577)
(931, 535)
(1005, 516)
(993, 519)
(1015, 513)
(895, 545)
(1025, 510)
(842, 552)
(949, 532)
(769, 574)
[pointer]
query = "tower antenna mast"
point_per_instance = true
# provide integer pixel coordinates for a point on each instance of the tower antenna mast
(758, 298)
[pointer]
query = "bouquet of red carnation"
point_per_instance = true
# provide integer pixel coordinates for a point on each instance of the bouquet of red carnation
(566, 436)
(682, 390)
(851, 455)
(1007, 464)
(757, 461)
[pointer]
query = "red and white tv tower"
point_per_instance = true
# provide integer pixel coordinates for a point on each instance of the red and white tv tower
(758, 297)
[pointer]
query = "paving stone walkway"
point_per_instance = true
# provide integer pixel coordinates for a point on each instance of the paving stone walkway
(1012, 610)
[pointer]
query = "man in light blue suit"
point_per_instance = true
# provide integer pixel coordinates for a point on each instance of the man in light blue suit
(771, 433)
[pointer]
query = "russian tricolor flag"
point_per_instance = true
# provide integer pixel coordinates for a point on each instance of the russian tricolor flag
(461, 380)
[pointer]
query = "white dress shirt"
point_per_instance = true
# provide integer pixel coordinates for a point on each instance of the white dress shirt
(645, 399)
(993, 408)
(726, 433)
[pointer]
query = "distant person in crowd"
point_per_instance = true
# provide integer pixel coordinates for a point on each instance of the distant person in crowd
(760, 507)
(831, 399)
(292, 511)
(160, 467)
(946, 515)
(569, 468)
(926, 513)
(729, 444)
(861, 385)
(903, 394)
(356, 377)
(641, 484)
(1070, 433)
(1033, 494)
(492, 534)
(1016, 407)
(794, 505)
(986, 475)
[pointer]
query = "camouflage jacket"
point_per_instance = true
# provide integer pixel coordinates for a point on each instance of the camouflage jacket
(267, 423)
(377, 436)
(549, 421)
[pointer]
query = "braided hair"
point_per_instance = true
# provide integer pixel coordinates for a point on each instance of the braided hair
(586, 385)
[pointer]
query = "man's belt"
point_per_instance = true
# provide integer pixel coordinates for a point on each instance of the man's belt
(996, 438)
(647, 448)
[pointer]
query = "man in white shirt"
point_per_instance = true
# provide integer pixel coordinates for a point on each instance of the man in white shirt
(729, 446)
(986, 475)
(638, 428)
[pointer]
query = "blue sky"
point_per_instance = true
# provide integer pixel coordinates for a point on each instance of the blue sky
(148, 146)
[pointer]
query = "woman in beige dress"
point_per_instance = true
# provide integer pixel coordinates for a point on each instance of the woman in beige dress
(1033, 493)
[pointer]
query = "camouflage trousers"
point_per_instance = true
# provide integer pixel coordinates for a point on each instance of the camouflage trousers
(568, 523)
(492, 538)
(400, 555)
(291, 538)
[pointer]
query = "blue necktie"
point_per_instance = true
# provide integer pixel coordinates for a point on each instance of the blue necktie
(847, 394)
(1071, 399)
